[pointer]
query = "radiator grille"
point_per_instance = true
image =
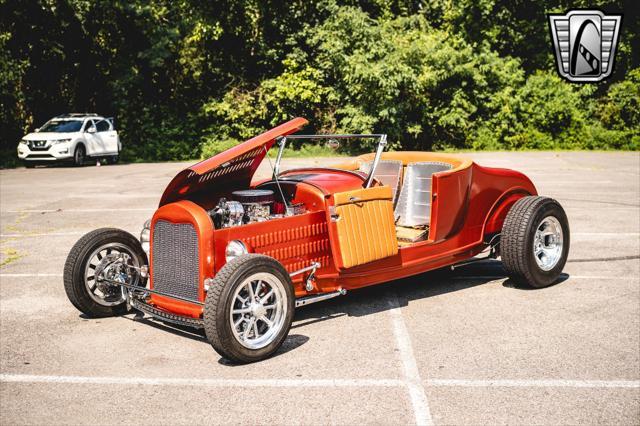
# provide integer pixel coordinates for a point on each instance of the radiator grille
(175, 259)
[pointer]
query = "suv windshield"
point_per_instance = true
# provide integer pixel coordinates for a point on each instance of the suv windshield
(62, 126)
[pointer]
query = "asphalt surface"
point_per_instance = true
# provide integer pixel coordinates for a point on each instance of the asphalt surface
(445, 348)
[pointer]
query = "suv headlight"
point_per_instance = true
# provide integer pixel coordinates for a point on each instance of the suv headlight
(57, 141)
(145, 236)
(234, 249)
(23, 142)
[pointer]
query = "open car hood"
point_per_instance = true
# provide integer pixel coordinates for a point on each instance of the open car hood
(228, 171)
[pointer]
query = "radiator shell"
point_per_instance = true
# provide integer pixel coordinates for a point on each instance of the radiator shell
(175, 259)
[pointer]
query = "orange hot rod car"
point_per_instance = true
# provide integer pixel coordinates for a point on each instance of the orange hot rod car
(236, 256)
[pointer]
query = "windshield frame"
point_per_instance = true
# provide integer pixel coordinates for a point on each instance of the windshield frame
(382, 142)
(62, 122)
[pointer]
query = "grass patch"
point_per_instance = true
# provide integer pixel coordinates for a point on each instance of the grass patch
(9, 256)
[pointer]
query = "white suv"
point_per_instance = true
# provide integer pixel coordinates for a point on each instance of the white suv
(71, 137)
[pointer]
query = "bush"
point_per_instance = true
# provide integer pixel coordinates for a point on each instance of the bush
(211, 146)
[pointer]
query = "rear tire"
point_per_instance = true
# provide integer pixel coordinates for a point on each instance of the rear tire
(242, 322)
(113, 159)
(104, 300)
(29, 164)
(534, 244)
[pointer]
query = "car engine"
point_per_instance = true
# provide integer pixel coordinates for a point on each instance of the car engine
(249, 206)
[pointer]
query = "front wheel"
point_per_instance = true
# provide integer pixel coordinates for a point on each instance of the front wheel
(96, 261)
(79, 156)
(534, 244)
(249, 308)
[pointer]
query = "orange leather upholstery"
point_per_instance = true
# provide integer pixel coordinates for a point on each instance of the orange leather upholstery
(364, 225)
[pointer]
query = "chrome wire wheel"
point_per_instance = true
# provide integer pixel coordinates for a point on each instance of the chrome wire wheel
(548, 243)
(112, 262)
(258, 310)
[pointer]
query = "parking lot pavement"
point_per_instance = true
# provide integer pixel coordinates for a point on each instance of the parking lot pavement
(461, 347)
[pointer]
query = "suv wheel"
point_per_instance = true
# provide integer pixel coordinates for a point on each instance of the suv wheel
(79, 155)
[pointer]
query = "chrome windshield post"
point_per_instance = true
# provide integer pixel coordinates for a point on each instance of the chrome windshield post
(281, 143)
(382, 142)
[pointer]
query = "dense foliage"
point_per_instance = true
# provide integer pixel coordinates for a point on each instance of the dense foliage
(189, 78)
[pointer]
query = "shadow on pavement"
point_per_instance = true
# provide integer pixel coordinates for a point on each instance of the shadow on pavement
(379, 298)
(371, 300)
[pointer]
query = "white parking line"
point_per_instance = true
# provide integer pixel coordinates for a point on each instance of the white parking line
(50, 234)
(409, 366)
(286, 383)
(82, 210)
(217, 383)
(28, 275)
(576, 277)
(109, 195)
(545, 383)
(606, 234)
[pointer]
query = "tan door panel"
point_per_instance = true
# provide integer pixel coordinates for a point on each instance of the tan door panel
(365, 228)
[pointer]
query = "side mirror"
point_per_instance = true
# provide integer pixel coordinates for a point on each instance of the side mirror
(91, 129)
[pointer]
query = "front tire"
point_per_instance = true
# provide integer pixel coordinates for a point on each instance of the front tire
(79, 156)
(93, 257)
(249, 308)
(534, 244)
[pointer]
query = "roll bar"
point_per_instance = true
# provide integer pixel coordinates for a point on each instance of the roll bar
(382, 142)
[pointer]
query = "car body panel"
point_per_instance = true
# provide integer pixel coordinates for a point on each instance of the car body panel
(469, 204)
(227, 171)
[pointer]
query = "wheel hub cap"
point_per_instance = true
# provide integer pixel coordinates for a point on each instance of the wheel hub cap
(548, 243)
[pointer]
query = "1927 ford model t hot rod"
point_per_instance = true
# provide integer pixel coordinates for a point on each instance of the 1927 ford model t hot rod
(236, 257)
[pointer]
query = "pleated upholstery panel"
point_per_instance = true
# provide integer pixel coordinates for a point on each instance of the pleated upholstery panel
(365, 225)
(388, 172)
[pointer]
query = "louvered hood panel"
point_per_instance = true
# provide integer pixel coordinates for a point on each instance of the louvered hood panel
(230, 170)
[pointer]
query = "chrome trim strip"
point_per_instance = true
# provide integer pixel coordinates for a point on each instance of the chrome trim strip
(319, 298)
(148, 309)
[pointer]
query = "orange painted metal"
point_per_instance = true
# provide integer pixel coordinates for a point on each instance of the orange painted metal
(227, 171)
(295, 242)
(469, 205)
(186, 212)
